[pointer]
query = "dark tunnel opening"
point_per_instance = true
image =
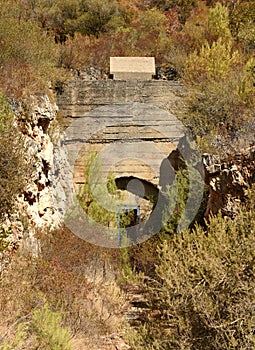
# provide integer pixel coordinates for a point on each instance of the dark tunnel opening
(138, 187)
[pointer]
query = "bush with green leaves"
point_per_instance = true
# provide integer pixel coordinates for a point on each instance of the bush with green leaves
(177, 213)
(28, 55)
(220, 77)
(220, 121)
(20, 336)
(46, 325)
(97, 198)
(46, 328)
(203, 294)
(218, 22)
(212, 62)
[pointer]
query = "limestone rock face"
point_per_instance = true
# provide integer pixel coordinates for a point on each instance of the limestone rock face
(61, 176)
(131, 139)
(228, 181)
(37, 201)
(36, 206)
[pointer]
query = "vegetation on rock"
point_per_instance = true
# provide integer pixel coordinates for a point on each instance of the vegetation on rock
(14, 169)
(201, 292)
(209, 44)
(198, 285)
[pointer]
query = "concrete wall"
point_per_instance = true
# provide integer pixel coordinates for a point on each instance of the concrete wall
(81, 96)
(136, 118)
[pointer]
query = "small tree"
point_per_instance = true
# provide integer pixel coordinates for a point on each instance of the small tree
(218, 22)
(212, 62)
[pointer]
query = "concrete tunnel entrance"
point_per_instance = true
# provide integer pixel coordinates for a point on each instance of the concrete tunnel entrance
(138, 187)
(143, 196)
(130, 140)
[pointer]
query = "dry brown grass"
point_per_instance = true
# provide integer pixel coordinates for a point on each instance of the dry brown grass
(74, 278)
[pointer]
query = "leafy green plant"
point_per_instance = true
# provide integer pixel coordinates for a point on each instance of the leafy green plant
(28, 55)
(49, 332)
(176, 198)
(177, 213)
(218, 22)
(217, 119)
(46, 326)
(4, 234)
(203, 293)
(96, 197)
(212, 62)
(20, 336)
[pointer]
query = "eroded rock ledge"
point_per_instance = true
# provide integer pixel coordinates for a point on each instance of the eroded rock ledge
(228, 181)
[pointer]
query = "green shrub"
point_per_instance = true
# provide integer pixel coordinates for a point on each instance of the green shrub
(28, 55)
(20, 336)
(219, 120)
(45, 325)
(203, 295)
(97, 198)
(212, 62)
(49, 332)
(221, 81)
(218, 22)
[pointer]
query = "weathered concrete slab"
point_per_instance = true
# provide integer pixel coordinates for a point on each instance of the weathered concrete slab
(128, 68)
(131, 124)
(132, 139)
(80, 97)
